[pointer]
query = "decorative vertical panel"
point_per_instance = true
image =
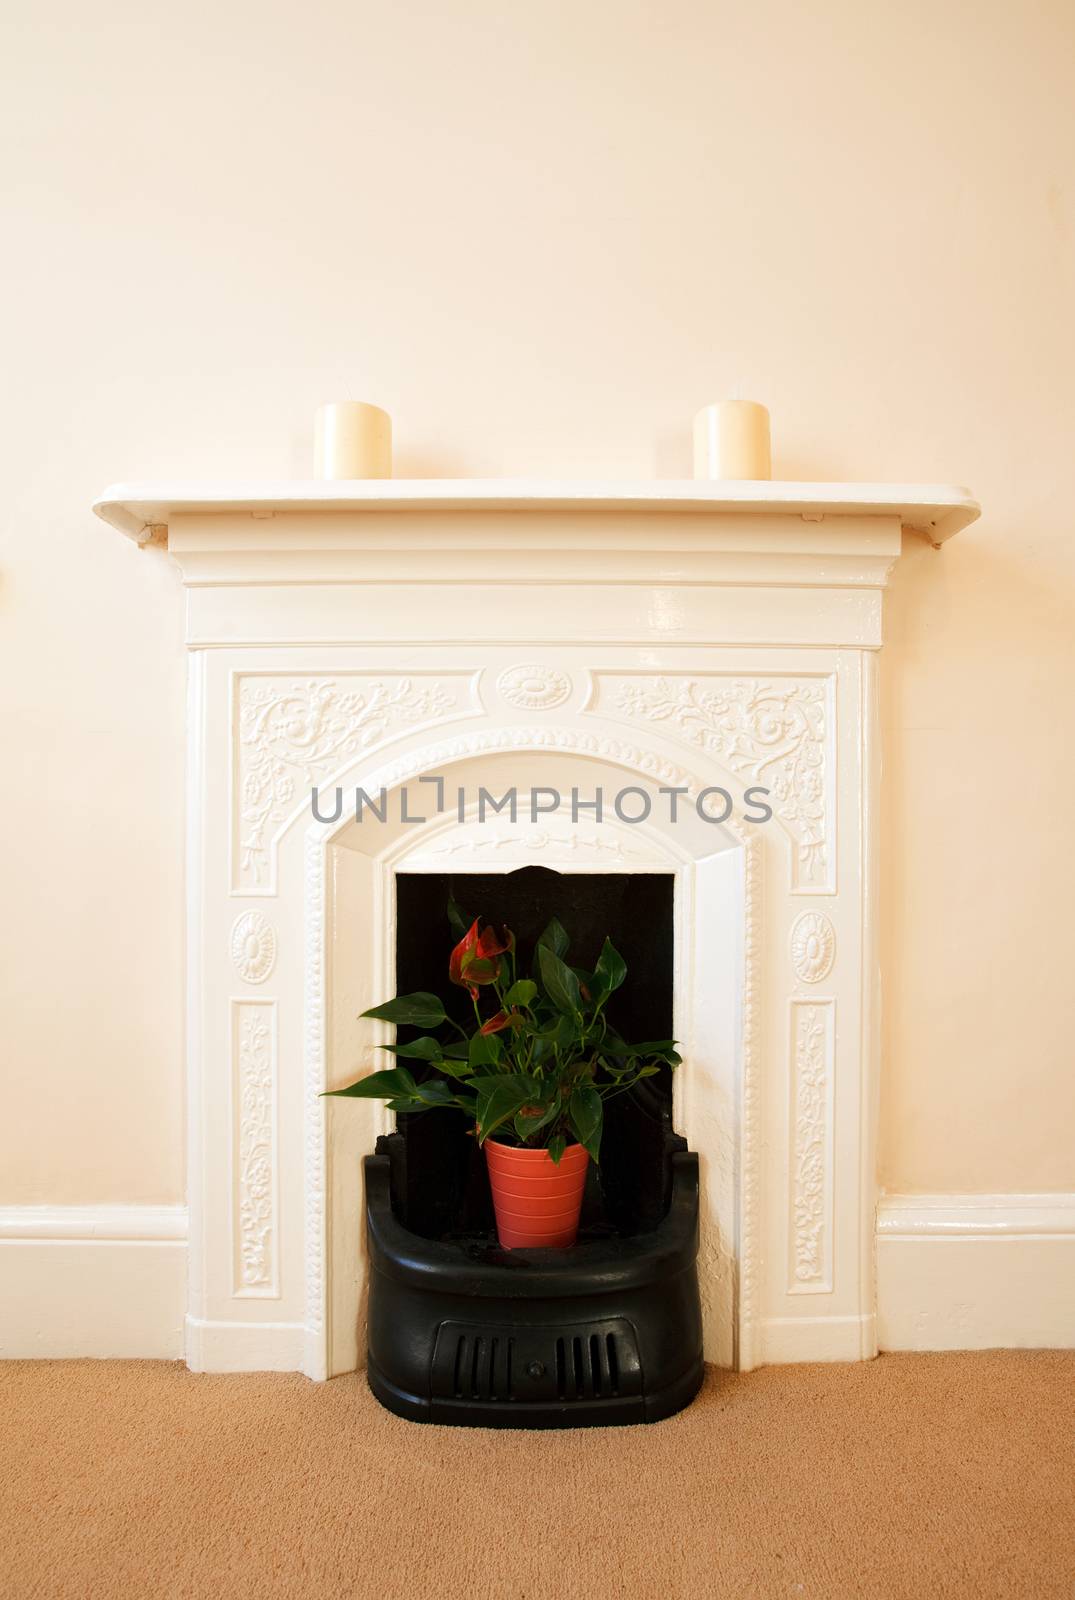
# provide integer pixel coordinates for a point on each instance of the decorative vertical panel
(255, 1224)
(813, 1041)
(752, 1113)
(315, 1164)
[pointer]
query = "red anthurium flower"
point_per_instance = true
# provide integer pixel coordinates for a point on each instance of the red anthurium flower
(475, 959)
(467, 945)
(491, 943)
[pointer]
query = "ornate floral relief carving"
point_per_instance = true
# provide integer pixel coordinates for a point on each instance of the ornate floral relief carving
(253, 947)
(295, 734)
(810, 1177)
(533, 687)
(255, 1147)
(770, 732)
(813, 946)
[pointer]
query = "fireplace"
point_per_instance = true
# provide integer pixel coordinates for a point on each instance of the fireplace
(663, 891)
(663, 638)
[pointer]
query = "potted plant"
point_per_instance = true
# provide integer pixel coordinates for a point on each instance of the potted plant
(533, 1070)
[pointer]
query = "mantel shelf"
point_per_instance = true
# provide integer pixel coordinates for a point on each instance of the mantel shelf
(936, 510)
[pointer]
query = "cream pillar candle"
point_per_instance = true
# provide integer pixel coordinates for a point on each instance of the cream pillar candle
(352, 440)
(731, 440)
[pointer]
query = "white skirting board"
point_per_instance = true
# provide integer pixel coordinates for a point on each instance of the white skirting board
(976, 1271)
(245, 1346)
(790, 1340)
(93, 1281)
(954, 1272)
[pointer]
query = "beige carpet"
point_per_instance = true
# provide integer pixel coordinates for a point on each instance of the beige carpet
(942, 1475)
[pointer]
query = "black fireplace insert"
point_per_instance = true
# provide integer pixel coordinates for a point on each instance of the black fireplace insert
(609, 1331)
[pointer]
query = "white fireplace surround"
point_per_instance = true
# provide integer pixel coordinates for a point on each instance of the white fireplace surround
(656, 635)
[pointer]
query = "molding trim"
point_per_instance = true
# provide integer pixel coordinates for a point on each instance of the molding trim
(788, 1340)
(116, 1224)
(214, 1346)
(975, 1216)
(976, 1271)
(138, 509)
(955, 1272)
(103, 1281)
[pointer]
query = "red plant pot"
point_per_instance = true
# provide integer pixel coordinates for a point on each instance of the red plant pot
(537, 1203)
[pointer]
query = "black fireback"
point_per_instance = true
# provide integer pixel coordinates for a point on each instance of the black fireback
(439, 1190)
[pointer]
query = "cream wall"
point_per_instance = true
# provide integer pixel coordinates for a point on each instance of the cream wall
(542, 236)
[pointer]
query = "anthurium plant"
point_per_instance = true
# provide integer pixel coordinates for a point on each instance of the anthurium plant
(541, 1056)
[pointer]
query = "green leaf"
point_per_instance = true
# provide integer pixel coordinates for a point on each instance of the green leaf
(560, 983)
(613, 1044)
(531, 1119)
(410, 1010)
(434, 1092)
(393, 1083)
(560, 1033)
(554, 938)
(556, 1147)
(586, 1115)
(501, 1103)
(521, 993)
(453, 1068)
(458, 920)
(529, 1088)
(485, 1082)
(483, 1050)
(589, 986)
(659, 1049)
(611, 968)
(617, 1070)
(424, 1049)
